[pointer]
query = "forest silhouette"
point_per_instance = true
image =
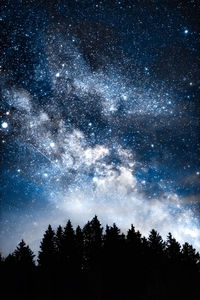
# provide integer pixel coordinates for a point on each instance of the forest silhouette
(93, 263)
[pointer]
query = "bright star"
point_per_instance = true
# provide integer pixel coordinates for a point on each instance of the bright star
(4, 125)
(52, 144)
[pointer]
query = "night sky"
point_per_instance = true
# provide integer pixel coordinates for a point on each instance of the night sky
(99, 114)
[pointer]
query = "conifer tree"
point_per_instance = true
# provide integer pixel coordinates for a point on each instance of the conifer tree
(133, 247)
(24, 256)
(156, 243)
(79, 248)
(59, 238)
(112, 242)
(112, 234)
(47, 254)
(92, 235)
(96, 232)
(173, 249)
(189, 255)
(85, 263)
(134, 238)
(68, 245)
(58, 243)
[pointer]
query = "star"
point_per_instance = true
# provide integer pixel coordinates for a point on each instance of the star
(52, 144)
(4, 125)
(124, 97)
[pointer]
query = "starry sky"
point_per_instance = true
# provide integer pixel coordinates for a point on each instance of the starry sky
(99, 114)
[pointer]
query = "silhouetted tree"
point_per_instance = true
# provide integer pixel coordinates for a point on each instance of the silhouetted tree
(58, 243)
(112, 234)
(68, 259)
(134, 239)
(59, 238)
(24, 256)
(89, 264)
(156, 243)
(19, 273)
(93, 238)
(189, 255)
(68, 246)
(47, 254)
(173, 249)
(155, 259)
(190, 276)
(79, 248)
(96, 232)
(113, 261)
(92, 235)
(173, 272)
(112, 241)
(134, 260)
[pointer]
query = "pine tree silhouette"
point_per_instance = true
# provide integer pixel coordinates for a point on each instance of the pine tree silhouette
(112, 234)
(173, 249)
(155, 260)
(156, 243)
(96, 232)
(91, 264)
(92, 234)
(59, 238)
(47, 254)
(173, 266)
(93, 239)
(190, 276)
(113, 260)
(87, 240)
(24, 256)
(68, 246)
(19, 273)
(189, 255)
(134, 239)
(59, 243)
(79, 248)
(133, 255)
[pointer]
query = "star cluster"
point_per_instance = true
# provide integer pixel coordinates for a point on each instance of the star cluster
(99, 115)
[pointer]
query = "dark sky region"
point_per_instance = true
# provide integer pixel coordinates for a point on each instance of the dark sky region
(99, 114)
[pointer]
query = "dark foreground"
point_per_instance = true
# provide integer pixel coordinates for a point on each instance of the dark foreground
(89, 264)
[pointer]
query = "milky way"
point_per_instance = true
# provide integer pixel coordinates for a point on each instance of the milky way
(99, 115)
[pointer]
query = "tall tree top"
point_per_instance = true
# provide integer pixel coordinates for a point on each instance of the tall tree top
(24, 255)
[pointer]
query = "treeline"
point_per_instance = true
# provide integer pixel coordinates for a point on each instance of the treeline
(91, 263)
